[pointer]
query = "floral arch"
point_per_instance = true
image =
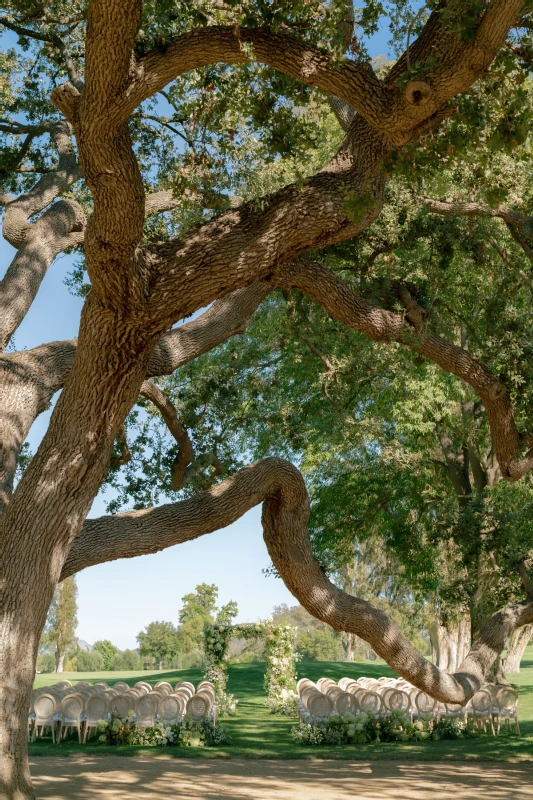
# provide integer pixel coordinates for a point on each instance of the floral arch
(280, 677)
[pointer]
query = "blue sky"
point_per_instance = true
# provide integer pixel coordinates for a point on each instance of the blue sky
(116, 600)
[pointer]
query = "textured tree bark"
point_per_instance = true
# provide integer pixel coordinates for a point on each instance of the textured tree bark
(140, 291)
(60, 660)
(450, 644)
(60, 484)
(518, 641)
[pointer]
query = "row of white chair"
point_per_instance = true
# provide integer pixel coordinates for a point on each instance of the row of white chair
(81, 707)
(490, 705)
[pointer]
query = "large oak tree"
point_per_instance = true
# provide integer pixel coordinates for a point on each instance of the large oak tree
(106, 63)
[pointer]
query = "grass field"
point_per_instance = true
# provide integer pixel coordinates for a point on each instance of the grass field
(258, 734)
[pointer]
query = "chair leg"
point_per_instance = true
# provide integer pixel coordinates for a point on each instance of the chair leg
(492, 725)
(517, 726)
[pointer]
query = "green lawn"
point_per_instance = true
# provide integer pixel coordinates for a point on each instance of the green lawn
(258, 734)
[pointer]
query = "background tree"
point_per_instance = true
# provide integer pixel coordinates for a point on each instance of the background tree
(158, 641)
(231, 75)
(107, 650)
(200, 609)
(61, 623)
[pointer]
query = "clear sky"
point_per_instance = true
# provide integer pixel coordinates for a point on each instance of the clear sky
(116, 600)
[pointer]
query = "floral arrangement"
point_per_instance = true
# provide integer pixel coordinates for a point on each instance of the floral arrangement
(368, 727)
(186, 733)
(280, 678)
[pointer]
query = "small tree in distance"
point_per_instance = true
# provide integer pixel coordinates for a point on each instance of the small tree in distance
(61, 623)
(107, 650)
(158, 641)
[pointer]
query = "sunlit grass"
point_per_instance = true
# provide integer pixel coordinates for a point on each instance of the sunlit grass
(258, 734)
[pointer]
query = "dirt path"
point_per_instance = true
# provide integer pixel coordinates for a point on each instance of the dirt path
(116, 778)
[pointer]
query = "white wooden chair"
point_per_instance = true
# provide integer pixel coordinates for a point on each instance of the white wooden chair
(396, 700)
(97, 708)
(164, 686)
(183, 684)
(481, 710)
(120, 686)
(505, 707)
(70, 713)
(145, 711)
(170, 709)
(45, 708)
(122, 704)
(425, 705)
(370, 702)
(198, 707)
(319, 705)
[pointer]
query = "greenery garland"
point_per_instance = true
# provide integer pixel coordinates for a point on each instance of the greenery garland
(368, 727)
(280, 678)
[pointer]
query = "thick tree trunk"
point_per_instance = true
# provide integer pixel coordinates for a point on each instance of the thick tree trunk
(21, 631)
(450, 642)
(60, 660)
(518, 641)
(59, 487)
(350, 646)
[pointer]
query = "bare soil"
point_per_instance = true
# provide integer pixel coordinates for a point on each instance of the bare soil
(118, 778)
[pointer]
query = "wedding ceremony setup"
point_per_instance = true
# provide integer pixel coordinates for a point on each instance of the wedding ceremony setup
(266, 399)
(86, 709)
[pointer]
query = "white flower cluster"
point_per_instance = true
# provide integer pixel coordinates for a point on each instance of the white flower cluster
(280, 678)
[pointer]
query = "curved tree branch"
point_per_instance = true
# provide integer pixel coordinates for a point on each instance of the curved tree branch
(58, 229)
(354, 82)
(177, 429)
(345, 304)
(280, 487)
(30, 378)
(520, 225)
(18, 211)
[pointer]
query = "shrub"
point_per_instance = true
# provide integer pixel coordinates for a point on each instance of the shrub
(187, 733)
(89, 661)
(126, 660)
(320, 645)
(365, 728)
(46, 662)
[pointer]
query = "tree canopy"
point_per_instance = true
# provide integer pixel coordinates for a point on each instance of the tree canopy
(188, 156)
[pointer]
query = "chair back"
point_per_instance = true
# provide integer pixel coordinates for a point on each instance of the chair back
(347, 683)
(396, 700)
(482, 702)
(320, 705)
(181, 699)
(71, 707)
(146, 708)
(370, 701)
(344, 702)
(97, 708)
(122, 704)
(170, 709)
(506, 699)
(163, 686)
(143, 685)
(120, 686)
(183, 684)
(323, 683)
(45, 706)
(424, 703)
(209, 691)
(198, 706)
